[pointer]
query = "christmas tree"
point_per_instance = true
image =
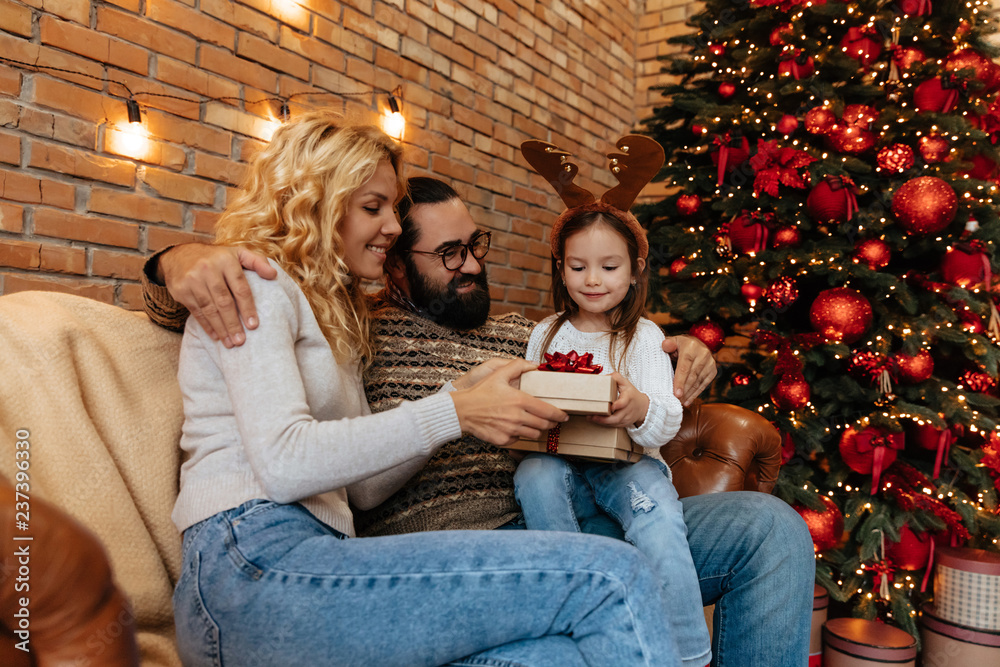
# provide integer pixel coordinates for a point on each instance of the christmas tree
(836, 170)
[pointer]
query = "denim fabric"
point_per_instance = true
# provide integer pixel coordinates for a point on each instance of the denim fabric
(268, 584)
(556, 494)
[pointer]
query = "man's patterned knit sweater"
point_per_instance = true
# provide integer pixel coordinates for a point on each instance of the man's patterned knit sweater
(468, 484)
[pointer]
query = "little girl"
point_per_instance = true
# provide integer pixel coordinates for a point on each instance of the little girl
(599, 282)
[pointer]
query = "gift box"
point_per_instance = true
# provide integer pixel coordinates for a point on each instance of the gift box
(967, 588)
(948, 644)
(573, 393)
(581, 438)
(855, 642)
(821, 600)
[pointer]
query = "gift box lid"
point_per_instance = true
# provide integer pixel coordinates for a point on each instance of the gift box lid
(869, 639)
(969, 560)
(821, 599)
(932, 621)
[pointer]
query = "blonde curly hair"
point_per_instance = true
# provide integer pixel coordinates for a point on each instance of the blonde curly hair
(290, 209)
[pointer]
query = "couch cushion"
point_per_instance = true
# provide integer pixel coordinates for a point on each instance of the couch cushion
(96, 388)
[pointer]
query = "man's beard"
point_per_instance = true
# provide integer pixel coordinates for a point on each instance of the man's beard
(444, 305)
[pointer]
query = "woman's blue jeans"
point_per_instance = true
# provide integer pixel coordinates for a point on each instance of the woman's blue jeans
(557, 494)
(267, 584)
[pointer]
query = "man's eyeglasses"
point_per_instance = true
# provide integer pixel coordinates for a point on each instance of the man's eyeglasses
(454, 256)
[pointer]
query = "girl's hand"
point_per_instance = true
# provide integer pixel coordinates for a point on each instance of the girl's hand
(629, 409)
(494, 411)
(479, 372)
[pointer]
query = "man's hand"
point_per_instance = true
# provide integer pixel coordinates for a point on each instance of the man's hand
(209, 282)
(695, 368)
(629, 409)
(494, 411)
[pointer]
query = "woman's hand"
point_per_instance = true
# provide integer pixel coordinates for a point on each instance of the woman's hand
(479, 372)
(496, 412)
(695, 367)
(629, 409)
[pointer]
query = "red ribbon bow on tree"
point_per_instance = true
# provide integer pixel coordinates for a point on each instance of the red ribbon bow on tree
(774, 165)
(571, 363)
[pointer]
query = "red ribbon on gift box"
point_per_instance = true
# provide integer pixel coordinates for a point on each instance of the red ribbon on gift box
(567, 363)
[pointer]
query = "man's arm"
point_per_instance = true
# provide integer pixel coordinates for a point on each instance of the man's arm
(208, 282)
(695, 368)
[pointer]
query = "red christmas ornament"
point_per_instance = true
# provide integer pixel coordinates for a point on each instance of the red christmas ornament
(938, 95)
(819, 120)
(788, 124)
(914, 369)
(983, 168)
(717, 49)
(966, 265)
(871, 367)
(697, 128)
(924, 436)
(984, 70)
(782, 293)
(751, 292)
(911, 551)
(873, 252)
(970, 322)
(782, 34)
(924, 205)
(978, 381)
(861, 46)
(688, 204)
(731, 153)
(709, 333)
(791, 392)
(832, 200)
(896, 158)
(850, 139)
(826, 527)
(796, 63)
(906, 57)
(726, 90)
(677, 266)
(859, 115)
(841, 314)
(870, 451)
(915, 7)
(748, 233)
(934, 148)
(741, 380)
(786, 237)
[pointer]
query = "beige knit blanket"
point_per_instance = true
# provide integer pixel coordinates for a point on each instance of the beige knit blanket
(96, 387)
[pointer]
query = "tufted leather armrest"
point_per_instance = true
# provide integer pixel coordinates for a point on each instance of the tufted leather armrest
(723, 447)
(75, 613)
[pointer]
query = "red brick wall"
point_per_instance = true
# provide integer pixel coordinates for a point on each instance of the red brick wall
(80, 209)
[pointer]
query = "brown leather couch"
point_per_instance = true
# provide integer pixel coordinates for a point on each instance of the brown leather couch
(96, 388)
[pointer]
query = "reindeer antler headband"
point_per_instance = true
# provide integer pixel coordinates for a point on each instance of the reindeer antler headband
(639, 160)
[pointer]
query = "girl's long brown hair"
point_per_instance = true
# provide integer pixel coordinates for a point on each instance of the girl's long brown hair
(624, 318)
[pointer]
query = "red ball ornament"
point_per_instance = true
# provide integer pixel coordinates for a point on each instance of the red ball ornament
(717, 49)
(850, 139)
(915, 368)
(796, 64)
(970, 322)
(726, 90)
(819, 120)
(908, 56)
(934, 148)
(677, 266)
(698, 128)
(985, 71)
(915, 7)
(860, 449)
(748, 233)
(966, 265)
(911, 551)
(688, 204)
(751, 292)
(862, 47)
(832, 199)
(873, 252)
(895, 158)
(709, 333)
(936, 95)
(860, 115)
(788, 124)
(782, 34)
(791, 392)
(924, 205)
(826, 528)
(786, 237)
(782, 293)
(841, 314)
(983, 168)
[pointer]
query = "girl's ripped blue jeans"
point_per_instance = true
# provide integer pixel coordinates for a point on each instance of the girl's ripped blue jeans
(267, 584)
